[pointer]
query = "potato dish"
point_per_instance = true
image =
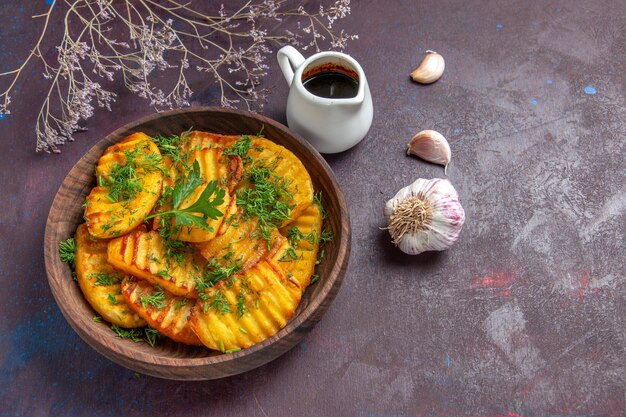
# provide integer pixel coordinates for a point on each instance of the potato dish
(206, 239)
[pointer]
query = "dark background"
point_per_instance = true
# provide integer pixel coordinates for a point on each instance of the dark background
(523, 317)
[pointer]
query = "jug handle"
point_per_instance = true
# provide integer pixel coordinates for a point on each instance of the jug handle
(289, 59)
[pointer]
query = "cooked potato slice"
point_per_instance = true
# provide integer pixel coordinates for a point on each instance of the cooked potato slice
(304, 233)
(263, 152)
(287, 166)
(130, 180)
(239, 312)
(100, 282)
(163, 311)
(144, 255)
(242, 242)
(205, 140)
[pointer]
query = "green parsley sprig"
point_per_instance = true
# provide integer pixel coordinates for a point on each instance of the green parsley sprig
(211, 198)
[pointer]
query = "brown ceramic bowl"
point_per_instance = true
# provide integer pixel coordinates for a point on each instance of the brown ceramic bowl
(169, 359)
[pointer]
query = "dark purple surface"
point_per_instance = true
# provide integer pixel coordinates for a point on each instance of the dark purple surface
(523, 317)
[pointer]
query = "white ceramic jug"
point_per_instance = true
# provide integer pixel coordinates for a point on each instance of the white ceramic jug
(331, 125)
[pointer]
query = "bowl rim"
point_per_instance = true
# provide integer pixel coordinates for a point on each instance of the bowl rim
(295, 324)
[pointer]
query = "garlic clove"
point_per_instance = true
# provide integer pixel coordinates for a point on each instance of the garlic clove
(431, 146)
(430, 70)
(425, 216)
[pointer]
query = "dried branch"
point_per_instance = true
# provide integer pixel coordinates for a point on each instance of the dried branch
(131, 40)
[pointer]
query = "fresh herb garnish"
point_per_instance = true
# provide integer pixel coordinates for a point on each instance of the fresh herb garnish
(112, 299)
(326, 237)
(156, 299)
(269, 200)
(294, 235)
(170, 146)
(186, 185)
(97, 319)
(320, 256)
(239, 148)
(314, 278)
(67, 251)
(211, 198)
(145, 334)
(217, 270)
(289, 255)
(104, 279)
(241, 305)
(217, 302)
(123, 181)
(180, 304)
(317, 199)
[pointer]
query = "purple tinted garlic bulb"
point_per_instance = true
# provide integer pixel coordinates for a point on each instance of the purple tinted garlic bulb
(425, 216)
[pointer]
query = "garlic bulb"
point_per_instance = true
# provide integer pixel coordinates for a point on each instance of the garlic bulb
(430, 69)
(431, 146)
(425, 216)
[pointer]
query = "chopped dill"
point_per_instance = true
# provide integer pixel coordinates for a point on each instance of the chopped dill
(317, 199)
(104, 279)
(67, 251)
(156, 299)
(269, 200)
(295, 236)
(327, 236)
(180, 304)
(112, 299)
(123, 182)
(241, 305)
(289, 255)
(146, 334)
(217, 302)
(217, 270)
(239, 148)
(171, 147)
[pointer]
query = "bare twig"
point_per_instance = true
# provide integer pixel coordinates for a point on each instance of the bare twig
(131, 39)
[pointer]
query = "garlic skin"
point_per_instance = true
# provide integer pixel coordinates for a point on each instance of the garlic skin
(431, 146)
(425, 216)
(430, 70)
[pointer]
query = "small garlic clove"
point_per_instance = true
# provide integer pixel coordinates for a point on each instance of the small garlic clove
(431, 146)
(430, 70)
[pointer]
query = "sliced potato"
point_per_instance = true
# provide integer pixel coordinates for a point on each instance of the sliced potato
(109, 216)
(205, 140)
(100, 282)
(242, 242)
(284, 165)
(281, 161)
(239, 312)
(144, 255)
(165, 312)
(306, 246)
